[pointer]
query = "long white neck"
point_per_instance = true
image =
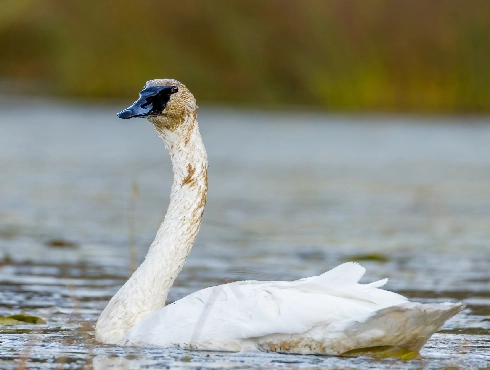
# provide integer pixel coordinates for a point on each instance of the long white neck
(147, 289)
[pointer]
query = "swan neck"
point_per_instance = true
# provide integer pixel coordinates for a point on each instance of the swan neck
(177, 233)
(147, 289)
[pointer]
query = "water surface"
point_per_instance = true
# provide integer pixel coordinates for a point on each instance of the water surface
(291, 195)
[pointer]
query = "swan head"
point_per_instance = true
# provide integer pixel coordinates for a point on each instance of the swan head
(164, 102)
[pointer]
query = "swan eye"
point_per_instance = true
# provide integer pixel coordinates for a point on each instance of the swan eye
(174, 89)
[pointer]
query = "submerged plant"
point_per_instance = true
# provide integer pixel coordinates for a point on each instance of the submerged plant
(21, 319)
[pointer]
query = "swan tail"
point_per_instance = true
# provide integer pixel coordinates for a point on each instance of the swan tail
(405, 327)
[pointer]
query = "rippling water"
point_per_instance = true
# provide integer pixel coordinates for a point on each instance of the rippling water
(291, 195)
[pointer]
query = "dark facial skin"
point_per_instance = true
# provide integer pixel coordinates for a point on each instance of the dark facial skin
(152, 101)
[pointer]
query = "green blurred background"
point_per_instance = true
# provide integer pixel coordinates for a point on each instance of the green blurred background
(374, 55)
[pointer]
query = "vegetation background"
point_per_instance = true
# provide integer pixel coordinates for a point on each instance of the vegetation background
(342, 55)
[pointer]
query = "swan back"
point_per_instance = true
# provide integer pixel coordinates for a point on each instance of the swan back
(232, 313)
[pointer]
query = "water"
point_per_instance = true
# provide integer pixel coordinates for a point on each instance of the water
(291, 195)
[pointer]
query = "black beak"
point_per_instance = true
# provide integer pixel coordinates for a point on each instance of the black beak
(152, 101)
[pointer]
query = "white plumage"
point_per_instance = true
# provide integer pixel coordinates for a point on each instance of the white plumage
(330, 314)
(327, 314)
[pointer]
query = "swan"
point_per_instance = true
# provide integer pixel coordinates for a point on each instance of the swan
(327, 314)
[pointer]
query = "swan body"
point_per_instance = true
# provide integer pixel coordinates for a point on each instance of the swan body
(327, 314)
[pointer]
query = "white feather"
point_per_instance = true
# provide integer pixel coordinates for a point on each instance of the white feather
(327, 314)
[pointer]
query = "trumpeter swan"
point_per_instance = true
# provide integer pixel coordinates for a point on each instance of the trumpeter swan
(327, 314)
